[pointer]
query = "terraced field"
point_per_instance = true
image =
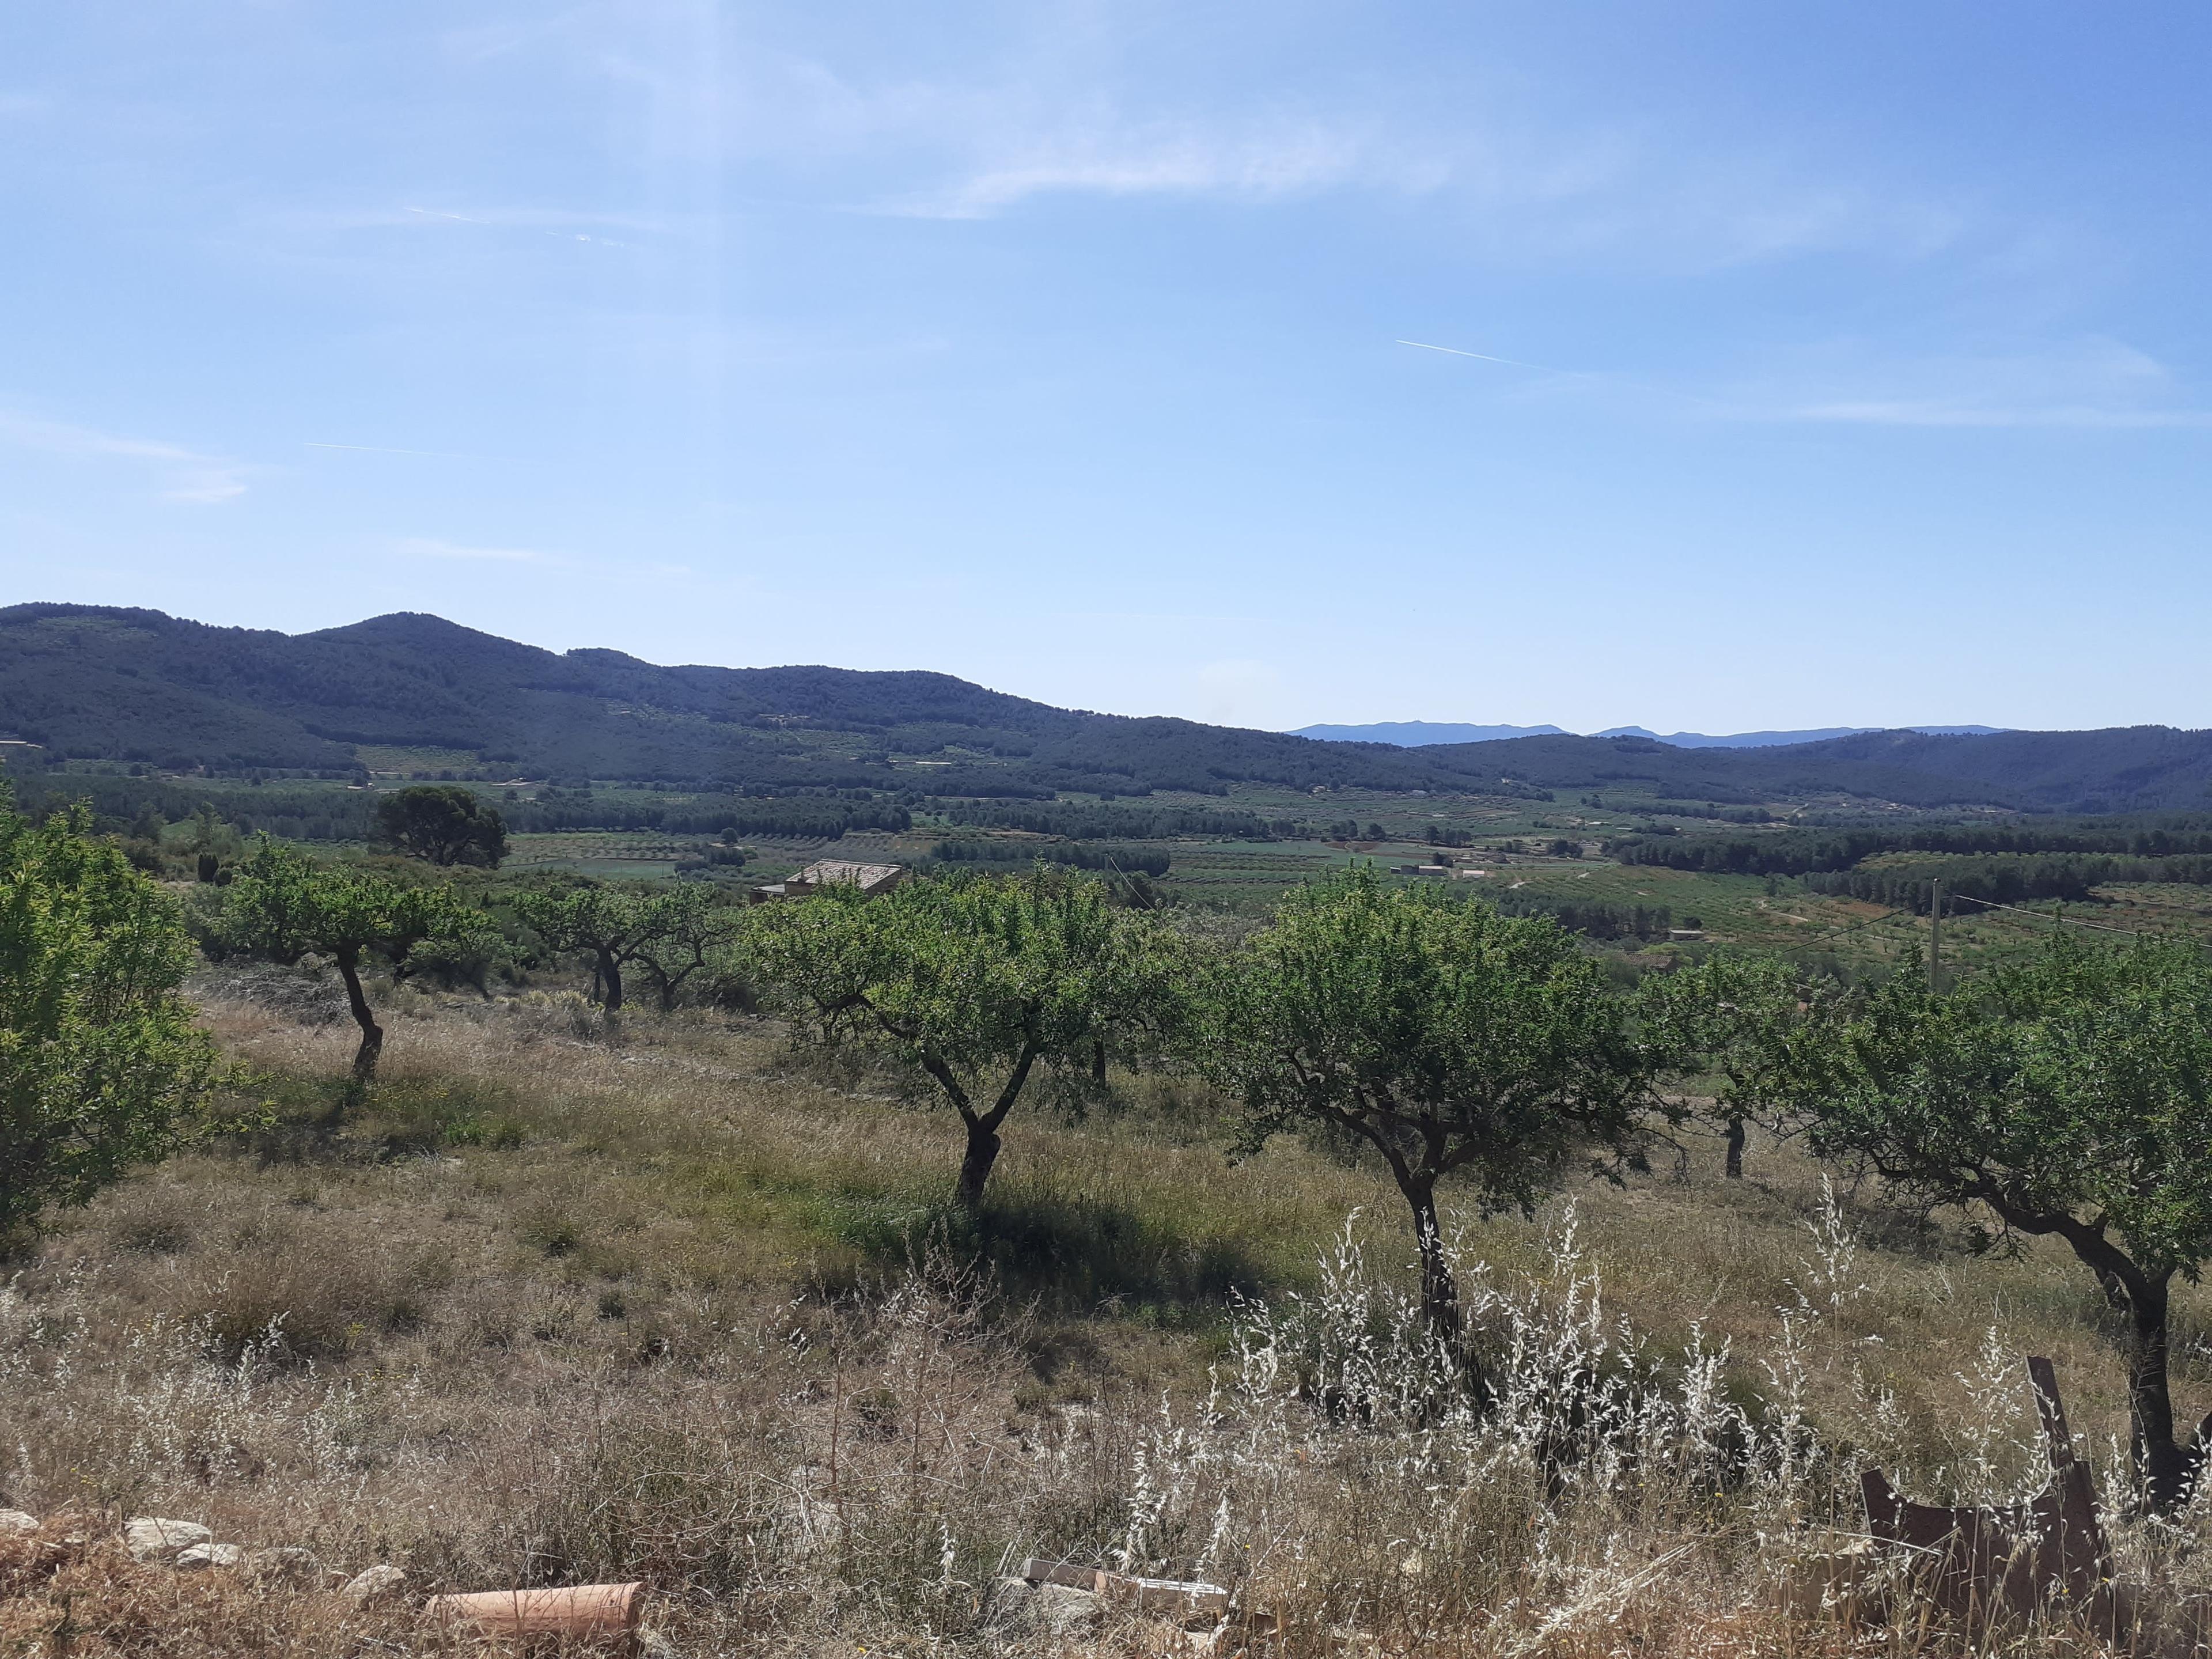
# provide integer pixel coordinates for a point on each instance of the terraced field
(601, 853)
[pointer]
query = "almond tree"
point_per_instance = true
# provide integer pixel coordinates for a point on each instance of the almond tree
(972, 980)
(2069, 1096)
(101, 1059)
(610, 925)
(1723, 1021)
(1462, 1045)
(283, 905)
(687, 926)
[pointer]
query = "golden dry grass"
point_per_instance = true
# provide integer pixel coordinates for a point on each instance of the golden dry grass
(560, 1302)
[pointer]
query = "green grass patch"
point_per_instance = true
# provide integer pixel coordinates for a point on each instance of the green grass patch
(289, 1118)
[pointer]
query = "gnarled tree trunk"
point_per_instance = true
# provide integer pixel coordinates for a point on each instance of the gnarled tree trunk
(2166, 1468)
(983, 1145)
(984, 1142)
(372, 1034)
(1439, 1289)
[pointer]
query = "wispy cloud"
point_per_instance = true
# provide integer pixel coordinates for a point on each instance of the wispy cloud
(1078, 104)
(560, 225)
(1923, 412)
(940, 118)
(2095, 383)
(1158, 159)
(425, 547)
(2081, 384)
(185, 476)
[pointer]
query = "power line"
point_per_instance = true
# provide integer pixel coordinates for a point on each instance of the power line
(1956, 898)
(1852, 927)
(2046, 915)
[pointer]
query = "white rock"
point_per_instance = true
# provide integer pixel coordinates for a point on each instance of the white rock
(1065, 1611)
(209, 1555)
(1023, 1609)
(151, 1537)
(655, 1645)
(382, 1582)
(1010, 1602)
(14, 1523)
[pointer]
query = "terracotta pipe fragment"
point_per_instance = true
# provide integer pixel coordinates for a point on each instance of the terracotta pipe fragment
(600, 1610)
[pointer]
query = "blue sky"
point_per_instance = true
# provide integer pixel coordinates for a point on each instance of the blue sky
(1859, 353)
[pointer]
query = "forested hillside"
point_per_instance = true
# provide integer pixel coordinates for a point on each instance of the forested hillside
(136, 685)
(2126, 769)
(92, 683)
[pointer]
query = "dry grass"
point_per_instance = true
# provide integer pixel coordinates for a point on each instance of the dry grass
(72, 1590)
(558, 1301)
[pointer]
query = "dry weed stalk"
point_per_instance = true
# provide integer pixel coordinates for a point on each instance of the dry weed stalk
(595, 1354)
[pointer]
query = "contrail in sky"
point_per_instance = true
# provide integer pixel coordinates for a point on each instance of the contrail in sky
(1486, 357)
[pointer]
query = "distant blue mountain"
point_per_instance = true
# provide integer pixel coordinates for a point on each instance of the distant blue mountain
(1414, 734)
(1775, 739)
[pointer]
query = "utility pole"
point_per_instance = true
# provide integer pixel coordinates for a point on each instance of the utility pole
(1935, 931)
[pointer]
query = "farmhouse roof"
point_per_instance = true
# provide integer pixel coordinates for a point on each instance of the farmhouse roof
(824, 873)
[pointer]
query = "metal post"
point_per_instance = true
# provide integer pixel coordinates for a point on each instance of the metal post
(1934, 931)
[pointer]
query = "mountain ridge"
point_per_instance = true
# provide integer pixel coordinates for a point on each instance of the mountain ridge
(103, 682)
(1420, 734)
(114, 684)
(1417, 734)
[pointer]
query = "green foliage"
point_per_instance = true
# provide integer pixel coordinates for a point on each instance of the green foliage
(2135, 769)
(280, 1117)
(1909, 883)
(444, 824)
(1725, 1021)
(1451, 1039)
(283, 904)
(971, 981)
(2076, 1082)
(100, 1059)
(802, 815)
(1086, 823)
(214, 843)
(2071, 1094)
(685, 928)
(1126, 860)
(280, 904)
(1813, 851)
(1592, 917)
(672, 932)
